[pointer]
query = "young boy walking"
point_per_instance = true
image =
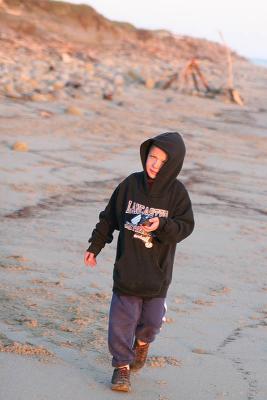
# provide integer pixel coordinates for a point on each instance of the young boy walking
(152, 212)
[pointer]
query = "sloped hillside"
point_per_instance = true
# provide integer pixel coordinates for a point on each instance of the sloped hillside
(51, 24)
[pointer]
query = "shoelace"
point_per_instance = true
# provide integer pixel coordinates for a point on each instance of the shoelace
(141, 352)
(123, 373)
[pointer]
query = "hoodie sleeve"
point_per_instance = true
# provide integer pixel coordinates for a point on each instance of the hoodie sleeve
(103, 232)
(181, 225)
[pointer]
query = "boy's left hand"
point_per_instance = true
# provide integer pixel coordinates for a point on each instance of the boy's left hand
(154, 224)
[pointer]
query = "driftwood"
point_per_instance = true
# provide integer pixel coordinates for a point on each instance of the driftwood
(233, 93)
(170, 81)
(192, 69)
(235, 97)
(192, 72)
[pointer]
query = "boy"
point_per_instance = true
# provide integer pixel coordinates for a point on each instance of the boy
(152, 211)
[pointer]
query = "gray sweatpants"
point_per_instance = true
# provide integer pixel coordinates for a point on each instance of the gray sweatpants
(132, 317)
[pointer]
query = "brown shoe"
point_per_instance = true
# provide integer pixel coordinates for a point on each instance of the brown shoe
(140, 355)
(121, 380)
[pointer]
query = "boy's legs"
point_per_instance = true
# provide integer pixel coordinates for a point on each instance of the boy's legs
(152, 314)
(133, 317)
(148, 327)
(124, 315)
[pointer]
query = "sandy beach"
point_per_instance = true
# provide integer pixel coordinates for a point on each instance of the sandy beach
(61, 158)
(54, 310)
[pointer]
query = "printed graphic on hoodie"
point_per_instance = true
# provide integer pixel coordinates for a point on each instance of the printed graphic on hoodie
(138, 215)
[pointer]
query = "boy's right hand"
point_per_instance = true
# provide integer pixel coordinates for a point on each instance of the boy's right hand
(89, 259)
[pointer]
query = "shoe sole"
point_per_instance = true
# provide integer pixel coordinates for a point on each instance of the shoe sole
(120, 388)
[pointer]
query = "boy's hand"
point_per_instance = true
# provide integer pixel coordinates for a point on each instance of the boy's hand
(154, 224)
(89, 259)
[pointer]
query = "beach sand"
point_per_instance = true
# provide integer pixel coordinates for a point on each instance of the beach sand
(54, 310)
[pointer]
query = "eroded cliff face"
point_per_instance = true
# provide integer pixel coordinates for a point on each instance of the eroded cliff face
(60, 25)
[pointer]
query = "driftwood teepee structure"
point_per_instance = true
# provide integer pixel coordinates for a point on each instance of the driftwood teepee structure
(191, 74)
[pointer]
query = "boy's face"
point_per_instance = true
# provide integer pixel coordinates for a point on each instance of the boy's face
(155, 160)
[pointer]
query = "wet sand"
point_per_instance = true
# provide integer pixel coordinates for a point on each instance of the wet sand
(54, 310)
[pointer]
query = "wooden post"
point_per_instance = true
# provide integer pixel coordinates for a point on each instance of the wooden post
(233, 93)
(230, 80)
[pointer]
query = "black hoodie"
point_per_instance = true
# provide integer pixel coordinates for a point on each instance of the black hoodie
(144, 261)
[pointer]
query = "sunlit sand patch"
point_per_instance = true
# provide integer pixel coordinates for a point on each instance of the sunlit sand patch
(103, 359)
(32, 324)
(23, 349)
(98, 342)
(40, 292)
(179, 300)
(65, 328)
(19, 258)
(220, 291)
(181, 311)
(68, 344)
(161, 382)
(200, 350)
(203, 302)
(14, 268)
(83, 322)
(94, 285)
(99, 297)
(72, 299)
(169, 320)
(16, 263)
(46, 283)
(162, 361)
(26, 188)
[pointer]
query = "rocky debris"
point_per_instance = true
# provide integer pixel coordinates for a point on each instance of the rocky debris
(20, 146)
(42, 61)
(45, 113)
(39, 97)
(108, 96)
(10, 91)
(72, 110)
(150, 83)
(52, 79)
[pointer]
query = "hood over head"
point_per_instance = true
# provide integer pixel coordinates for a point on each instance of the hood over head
(172, 143)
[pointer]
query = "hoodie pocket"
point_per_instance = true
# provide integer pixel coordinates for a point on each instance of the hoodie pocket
(140, 276)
